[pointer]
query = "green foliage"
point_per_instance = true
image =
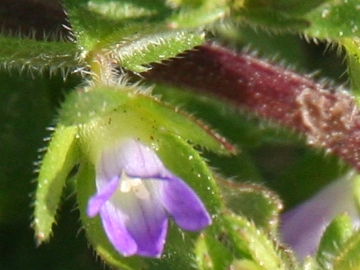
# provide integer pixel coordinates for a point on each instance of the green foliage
(60, 158)
(279, 15)
(333, 240)
(257, 203)
(135, 53)
(116, 29)
(254, 244)
(352, 46)
(212, 254)
(334, 20)
(38, 56)
(112, 37)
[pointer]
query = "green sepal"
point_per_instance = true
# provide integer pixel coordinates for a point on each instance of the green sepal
(59, 160)
(348, 256)
(255, 202)
(129, 102)
(310, 263)
(85, 183)
(182, 124)
(178, 252)
(85, 105)
(174, 153)
(333, 239)
(356, 190)
(254, 244)
(245, 264)
(211, 254)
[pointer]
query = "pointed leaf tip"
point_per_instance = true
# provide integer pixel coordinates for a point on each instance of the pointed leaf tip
(57, 163)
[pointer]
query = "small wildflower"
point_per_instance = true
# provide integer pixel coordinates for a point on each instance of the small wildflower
(135, 195)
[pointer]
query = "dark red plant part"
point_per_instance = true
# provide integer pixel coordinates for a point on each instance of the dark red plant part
(328, 117)
(33, 18)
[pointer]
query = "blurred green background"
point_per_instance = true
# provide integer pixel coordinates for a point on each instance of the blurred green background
(28, 104)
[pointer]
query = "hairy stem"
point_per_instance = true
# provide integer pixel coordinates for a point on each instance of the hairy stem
(327, 116)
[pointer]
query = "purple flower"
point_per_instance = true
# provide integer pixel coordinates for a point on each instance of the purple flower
(135, 195)
(302, 227)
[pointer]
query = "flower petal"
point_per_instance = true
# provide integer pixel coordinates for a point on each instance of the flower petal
(103, 195)
(115, 226)
(138, 160)
(184, 205)
(145, 220)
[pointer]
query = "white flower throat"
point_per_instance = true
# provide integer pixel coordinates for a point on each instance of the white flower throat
(136, 185)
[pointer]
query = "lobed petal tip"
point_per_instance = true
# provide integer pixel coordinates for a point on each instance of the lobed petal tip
(184, 205)
(103, 195)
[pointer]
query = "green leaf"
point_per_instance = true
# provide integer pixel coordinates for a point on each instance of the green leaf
(59, 160)
(310, 263)
(321, 19)
(271, 20)
(348, 257)
(184, 161)
(256, 245)
(335, 20)
(255, 202)
(116, 29)
(138, 50)
(39, 56)
(356, 190)
(352, 47)
(245, 264)
(296, 7)
(198, 17)
(274, 15)
(211, 254)
(134, 9)
(333, 239)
